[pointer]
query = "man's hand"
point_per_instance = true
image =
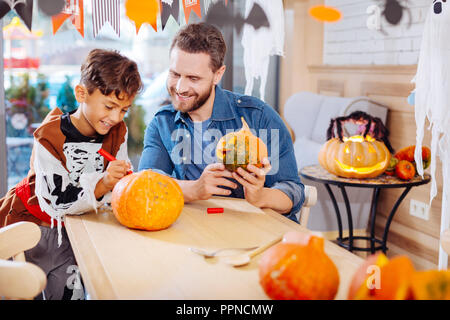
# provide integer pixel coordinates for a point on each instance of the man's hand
(208, 184)
(253, 180)
(210, 181)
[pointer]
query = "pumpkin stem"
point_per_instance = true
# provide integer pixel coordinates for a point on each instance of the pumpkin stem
(316, 242)
(245, 126)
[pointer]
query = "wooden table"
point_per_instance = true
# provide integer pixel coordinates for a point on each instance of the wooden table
(120, 263)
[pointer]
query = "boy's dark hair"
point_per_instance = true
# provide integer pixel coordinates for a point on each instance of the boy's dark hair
(109, 71)
(202, 37)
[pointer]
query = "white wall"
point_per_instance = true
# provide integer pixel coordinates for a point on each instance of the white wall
(349, 41)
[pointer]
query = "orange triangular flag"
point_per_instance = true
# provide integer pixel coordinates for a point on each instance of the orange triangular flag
(74, 10)
(189, 5)
(143, 11)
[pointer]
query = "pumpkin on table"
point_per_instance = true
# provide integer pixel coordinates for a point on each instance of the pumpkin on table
(147, 200)
(241, 148)
(299, 270)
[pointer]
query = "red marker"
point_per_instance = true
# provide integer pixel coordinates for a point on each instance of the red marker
(214, 210)
(110, 157)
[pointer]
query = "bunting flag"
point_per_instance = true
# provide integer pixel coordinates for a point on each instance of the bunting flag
(51, 7)
(189, 5)
(142, 11)
(169, 8)
(221, 16)
(207, 4)
(105, 11)
(73, 10)
(23, 8)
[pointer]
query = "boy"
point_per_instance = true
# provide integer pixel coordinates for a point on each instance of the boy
(67, 175)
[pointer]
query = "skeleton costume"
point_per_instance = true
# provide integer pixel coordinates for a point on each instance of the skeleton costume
(64, 170)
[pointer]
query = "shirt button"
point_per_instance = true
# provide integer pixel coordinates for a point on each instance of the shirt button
(188, 135)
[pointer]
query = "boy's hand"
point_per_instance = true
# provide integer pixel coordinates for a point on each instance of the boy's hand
(253, 180)
(115, 171)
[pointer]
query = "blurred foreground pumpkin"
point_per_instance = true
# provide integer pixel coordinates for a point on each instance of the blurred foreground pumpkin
(396, 279)
(293, 271)
(241, 148)
(147, 200)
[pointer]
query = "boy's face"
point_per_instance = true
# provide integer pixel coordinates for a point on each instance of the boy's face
(191, 79)
(100, 112)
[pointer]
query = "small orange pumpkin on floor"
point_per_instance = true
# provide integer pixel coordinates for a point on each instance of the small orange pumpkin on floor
(147, 200)
(292, 271)
(241, 148)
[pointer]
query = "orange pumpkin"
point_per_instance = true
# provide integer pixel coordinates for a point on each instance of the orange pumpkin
(241, 148)
(390, 282)
(292, 271)
(358, 286)
(405, 170)
(355, 157)
(431, 285)
(407, 154)
(147, 200)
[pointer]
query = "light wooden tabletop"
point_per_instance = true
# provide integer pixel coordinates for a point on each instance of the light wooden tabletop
(120, 263)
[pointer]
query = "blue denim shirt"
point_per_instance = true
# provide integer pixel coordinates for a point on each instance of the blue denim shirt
(167, 140)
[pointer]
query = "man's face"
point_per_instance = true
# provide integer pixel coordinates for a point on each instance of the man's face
(191, 79)
(104, 112)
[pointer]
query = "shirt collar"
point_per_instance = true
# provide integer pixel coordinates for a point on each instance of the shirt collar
(222, 108)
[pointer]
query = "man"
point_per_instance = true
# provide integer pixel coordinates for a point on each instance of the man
(179, 142)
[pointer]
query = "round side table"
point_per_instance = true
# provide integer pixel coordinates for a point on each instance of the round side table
(318, 174)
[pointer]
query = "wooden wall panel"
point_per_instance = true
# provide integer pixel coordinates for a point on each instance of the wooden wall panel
(302, 69)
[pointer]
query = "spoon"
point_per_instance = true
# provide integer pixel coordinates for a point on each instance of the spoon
(210, 254)
(244, 259)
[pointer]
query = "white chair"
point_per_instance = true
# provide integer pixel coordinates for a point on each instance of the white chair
(308, 115)
(310, 201)
(19, 279)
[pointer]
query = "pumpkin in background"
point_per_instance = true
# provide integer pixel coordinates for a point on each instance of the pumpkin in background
(407, 154)
(292, 271)
(147, 200)
(355, 157)
(241, 148)
(405, 170)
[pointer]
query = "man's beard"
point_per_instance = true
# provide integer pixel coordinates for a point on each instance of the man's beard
(199, 101)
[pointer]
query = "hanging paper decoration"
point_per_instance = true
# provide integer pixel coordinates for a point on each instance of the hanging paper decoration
(189, 5)
(169, 8)
(142, 11)
(23, 8)
(432, 102)
(261, 43)
(325, 14)
(207, 4)
(73, 10)
(51, 7)
(221, 16)
(105, 11)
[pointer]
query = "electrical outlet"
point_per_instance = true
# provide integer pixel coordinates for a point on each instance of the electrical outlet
(419, 209)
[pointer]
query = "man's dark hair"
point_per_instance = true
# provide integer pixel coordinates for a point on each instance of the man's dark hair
(204, 38)
(109, 71)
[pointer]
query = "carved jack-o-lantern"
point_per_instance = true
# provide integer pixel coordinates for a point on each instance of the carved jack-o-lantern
(355, 157)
